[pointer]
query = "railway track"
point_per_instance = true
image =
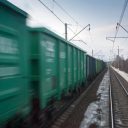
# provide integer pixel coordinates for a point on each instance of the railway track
(72, 116)
(118, 101)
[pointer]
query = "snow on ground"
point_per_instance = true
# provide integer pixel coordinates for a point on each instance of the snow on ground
(122, 73)
(98, 111)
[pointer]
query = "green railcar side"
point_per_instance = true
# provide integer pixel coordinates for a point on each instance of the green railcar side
(14, 65)
(57, 65)
(62, 68)
(75, 66)
(79, 67)
(70, 66)
(85, 68)
(91, 67)
(82, 67)
(99, 66)
(44, 59)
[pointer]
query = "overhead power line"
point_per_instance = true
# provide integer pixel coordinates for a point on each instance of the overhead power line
(80, 31)
(80, 41)
(60, 6)
(60, 18)
(121, 17)
(123, 11)
(73, 33)
(122, 27)
(66, 12)
(116, 37)
(51, 11)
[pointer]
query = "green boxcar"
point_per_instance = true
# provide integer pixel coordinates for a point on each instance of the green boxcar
(82, 67)
(91, 67)
(98, 64)
(75, 66)
(14, 67)
(44, 61)
(62, 68)
(79, 67)
(70, 67)
(56, 65)
(85, 68)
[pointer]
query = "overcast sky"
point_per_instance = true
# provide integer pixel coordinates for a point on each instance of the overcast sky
(103, 16)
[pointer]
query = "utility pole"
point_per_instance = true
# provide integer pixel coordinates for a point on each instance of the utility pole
(66, 33)
(118, 57)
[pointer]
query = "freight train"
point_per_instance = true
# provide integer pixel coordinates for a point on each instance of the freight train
(37, 66)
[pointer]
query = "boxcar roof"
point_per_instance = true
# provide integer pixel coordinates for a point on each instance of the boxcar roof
(49, 32)
(13, 7)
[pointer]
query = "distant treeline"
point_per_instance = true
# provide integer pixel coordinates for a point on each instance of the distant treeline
(121, 63)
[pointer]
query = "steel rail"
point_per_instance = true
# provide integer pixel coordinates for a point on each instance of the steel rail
(111, 106)
(121, 84)
(113, 122)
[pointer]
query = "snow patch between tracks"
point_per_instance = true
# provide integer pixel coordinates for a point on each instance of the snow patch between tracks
(97, 112)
